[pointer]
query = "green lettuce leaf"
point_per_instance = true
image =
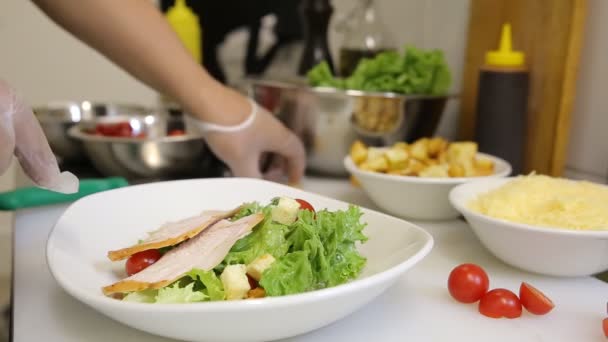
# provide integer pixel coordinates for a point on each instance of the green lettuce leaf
(289, 275)
(145, 296)
(246, 210)
(173, 294)
(417, 71)
(267, 237)
(321, 76)
(329, 243)
(210, 284)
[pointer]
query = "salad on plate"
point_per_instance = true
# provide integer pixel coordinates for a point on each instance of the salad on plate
(253, 251)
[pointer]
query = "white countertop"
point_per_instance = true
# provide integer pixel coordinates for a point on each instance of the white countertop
(417, 308)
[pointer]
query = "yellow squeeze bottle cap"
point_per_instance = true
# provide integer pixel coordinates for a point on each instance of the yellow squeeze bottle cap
(185, 23)
(504, 56)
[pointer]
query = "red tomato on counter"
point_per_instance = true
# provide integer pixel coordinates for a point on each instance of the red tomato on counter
(605, 325)
(500, 303)
(467, 283)
(141, 260)
(533, 300)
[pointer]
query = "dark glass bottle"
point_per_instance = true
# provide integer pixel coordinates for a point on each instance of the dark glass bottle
(365, 37)
(315, 15)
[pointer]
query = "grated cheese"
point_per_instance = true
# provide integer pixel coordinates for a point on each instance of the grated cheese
(546, 201)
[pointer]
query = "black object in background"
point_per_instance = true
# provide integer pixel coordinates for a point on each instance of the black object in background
(315, 15)
(502, 104)
(219, 18)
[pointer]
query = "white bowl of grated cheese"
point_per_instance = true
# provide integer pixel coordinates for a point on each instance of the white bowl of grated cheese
(545, 225)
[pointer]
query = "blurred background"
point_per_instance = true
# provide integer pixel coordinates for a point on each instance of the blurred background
(46, 64)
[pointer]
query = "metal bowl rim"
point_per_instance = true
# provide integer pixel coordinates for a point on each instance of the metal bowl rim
(77, 133)
(348, 92)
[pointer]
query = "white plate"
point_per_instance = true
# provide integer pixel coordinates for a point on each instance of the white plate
(418, 198)
(77, 247)
(545, 250)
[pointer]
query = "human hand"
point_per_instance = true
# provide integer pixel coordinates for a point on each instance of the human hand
(22, 136)
(242, 147)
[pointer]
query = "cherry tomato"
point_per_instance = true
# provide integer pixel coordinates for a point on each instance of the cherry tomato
(533, 300)
(467, 283)
(605, 325)
(500, 303)
(120, 129)
(175, 132)
(141, 260)
(305, 205)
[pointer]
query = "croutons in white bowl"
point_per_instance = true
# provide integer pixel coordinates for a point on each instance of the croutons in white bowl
(544, 250)
(417, 197)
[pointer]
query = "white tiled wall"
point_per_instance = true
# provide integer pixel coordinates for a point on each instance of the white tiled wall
(47, 64)
(588, 150)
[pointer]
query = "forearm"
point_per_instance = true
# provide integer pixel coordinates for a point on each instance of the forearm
(134, 35)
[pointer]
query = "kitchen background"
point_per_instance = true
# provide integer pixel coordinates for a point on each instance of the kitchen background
(47, 64)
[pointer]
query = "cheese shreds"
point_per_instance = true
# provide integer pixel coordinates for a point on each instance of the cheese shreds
(541, 200)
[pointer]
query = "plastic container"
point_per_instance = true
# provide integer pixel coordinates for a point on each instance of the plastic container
(502, 103)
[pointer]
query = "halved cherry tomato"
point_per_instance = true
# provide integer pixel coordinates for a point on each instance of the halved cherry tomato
(605, 325)
(500, 303)
(141, 260)
(533, 300)
(467, 283)
(305, 205)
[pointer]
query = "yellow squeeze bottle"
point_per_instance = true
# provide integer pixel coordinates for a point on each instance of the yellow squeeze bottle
(186, 24)
(502, 104)
(505, 56)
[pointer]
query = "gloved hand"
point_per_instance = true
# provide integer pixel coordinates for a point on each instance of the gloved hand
(21, 135)
(243, 146)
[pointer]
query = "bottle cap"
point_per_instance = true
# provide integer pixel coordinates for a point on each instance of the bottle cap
(504, 56)
(186, 24)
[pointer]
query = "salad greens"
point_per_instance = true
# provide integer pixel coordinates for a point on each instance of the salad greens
(417, 71)
(316, 251)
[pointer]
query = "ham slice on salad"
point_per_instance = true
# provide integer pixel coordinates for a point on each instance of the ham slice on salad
(204, 251)
(172, 233)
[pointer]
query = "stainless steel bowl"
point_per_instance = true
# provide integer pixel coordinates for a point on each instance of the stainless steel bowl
(156, 156)
(58, 117)
(329, 120)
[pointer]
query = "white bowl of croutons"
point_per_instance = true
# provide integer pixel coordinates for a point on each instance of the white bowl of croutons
(413, 181)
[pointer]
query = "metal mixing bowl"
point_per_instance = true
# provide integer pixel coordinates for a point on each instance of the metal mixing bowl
(329, 120)
(58, 117)
(156, 156)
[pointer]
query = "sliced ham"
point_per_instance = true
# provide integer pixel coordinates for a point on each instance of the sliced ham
(204, 251)
(172, 233)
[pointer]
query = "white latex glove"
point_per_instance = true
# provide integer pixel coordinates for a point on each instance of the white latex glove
(242, 147)
(22, 136)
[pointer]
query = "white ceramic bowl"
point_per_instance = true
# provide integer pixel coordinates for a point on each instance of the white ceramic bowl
(77, 247)
(545, 250)
(418, 198)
